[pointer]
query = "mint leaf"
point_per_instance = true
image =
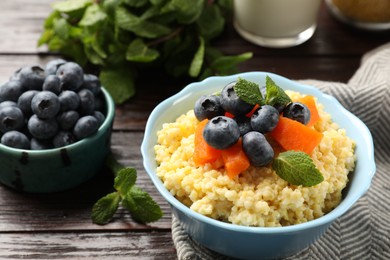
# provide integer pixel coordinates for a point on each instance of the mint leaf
(185, 11)
(275, 95)
(135, 3)
(61, 28)
(297, 168)
(71, 5)
(104, 209)
(125, 180)
(138, 51)
(140, 27)
(93, 14)
(141, 206)
(119, 82)
(248, 91)
(197, 61)
(211, 22)
(227, 62)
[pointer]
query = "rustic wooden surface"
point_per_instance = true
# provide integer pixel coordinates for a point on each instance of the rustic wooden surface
(59, 226)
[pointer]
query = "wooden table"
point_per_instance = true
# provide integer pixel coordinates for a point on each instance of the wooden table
(59, 225)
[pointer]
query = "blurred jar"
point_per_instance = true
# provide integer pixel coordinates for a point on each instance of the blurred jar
(276, 23)
(373, 15)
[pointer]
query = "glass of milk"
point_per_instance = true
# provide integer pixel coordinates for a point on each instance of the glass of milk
(276, 23)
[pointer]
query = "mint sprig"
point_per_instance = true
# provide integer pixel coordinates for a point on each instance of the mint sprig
(297, 168)
(139, 203)
(275, 95)
(248, 91)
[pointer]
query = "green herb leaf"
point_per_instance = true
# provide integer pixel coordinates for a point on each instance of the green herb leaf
(71, 5)
(93, 15)
(248, 91)
(104, 209)
(141, 206)
(140, 27)
(135, 3)
(61, 28)
(297, 168)
(211, 22)
(138, 51)
(125, 180)
(119, 82)
(186, 11)
(227, 62)
(197, 61)
(275, 94)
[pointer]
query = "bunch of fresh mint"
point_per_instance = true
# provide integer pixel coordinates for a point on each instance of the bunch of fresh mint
(123, 37)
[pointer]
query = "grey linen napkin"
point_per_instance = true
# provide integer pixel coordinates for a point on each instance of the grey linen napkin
(364, 231)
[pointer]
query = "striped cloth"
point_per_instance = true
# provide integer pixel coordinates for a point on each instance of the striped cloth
(364, 231)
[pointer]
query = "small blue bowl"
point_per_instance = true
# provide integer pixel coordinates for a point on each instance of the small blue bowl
(258, 242)
(52, 170)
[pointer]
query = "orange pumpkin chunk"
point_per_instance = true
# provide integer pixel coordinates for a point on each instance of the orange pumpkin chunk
(235, 159)
(203, 152)
(292, 135)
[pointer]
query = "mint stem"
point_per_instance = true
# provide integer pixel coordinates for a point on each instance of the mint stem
(113, 165)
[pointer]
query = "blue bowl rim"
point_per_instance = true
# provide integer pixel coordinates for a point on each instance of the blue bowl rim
(110, 106)
(343, 207)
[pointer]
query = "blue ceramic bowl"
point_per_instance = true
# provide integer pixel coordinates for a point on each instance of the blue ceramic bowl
(258, 242)
(58, 169)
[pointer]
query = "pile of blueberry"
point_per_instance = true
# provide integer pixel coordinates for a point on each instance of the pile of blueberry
(222, 131)
(51, 107)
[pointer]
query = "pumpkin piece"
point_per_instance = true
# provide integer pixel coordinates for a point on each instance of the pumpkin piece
(293, 135)
(203, 152)
(235, 159)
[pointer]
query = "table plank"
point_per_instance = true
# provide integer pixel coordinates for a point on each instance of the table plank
(92, 245)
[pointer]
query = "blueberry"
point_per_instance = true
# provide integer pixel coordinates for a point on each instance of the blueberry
(221, 132)
(42, 128)
(85, 126)
(232, 103)
(87, 102)
(92, 83)
(11, 90)
(11, 118)
(71, 75)
(69, 100)
(63, 138)
(99, 116)
(53, 65)
(24, 101)
(8, 104)
(15, 139)
(37, 144)
(265, 119)
(67, 119)
(31, 77)
(208, 107)
(257, 148)
(45, 104)
(244, 124)
(297, 111)
(52, 84)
